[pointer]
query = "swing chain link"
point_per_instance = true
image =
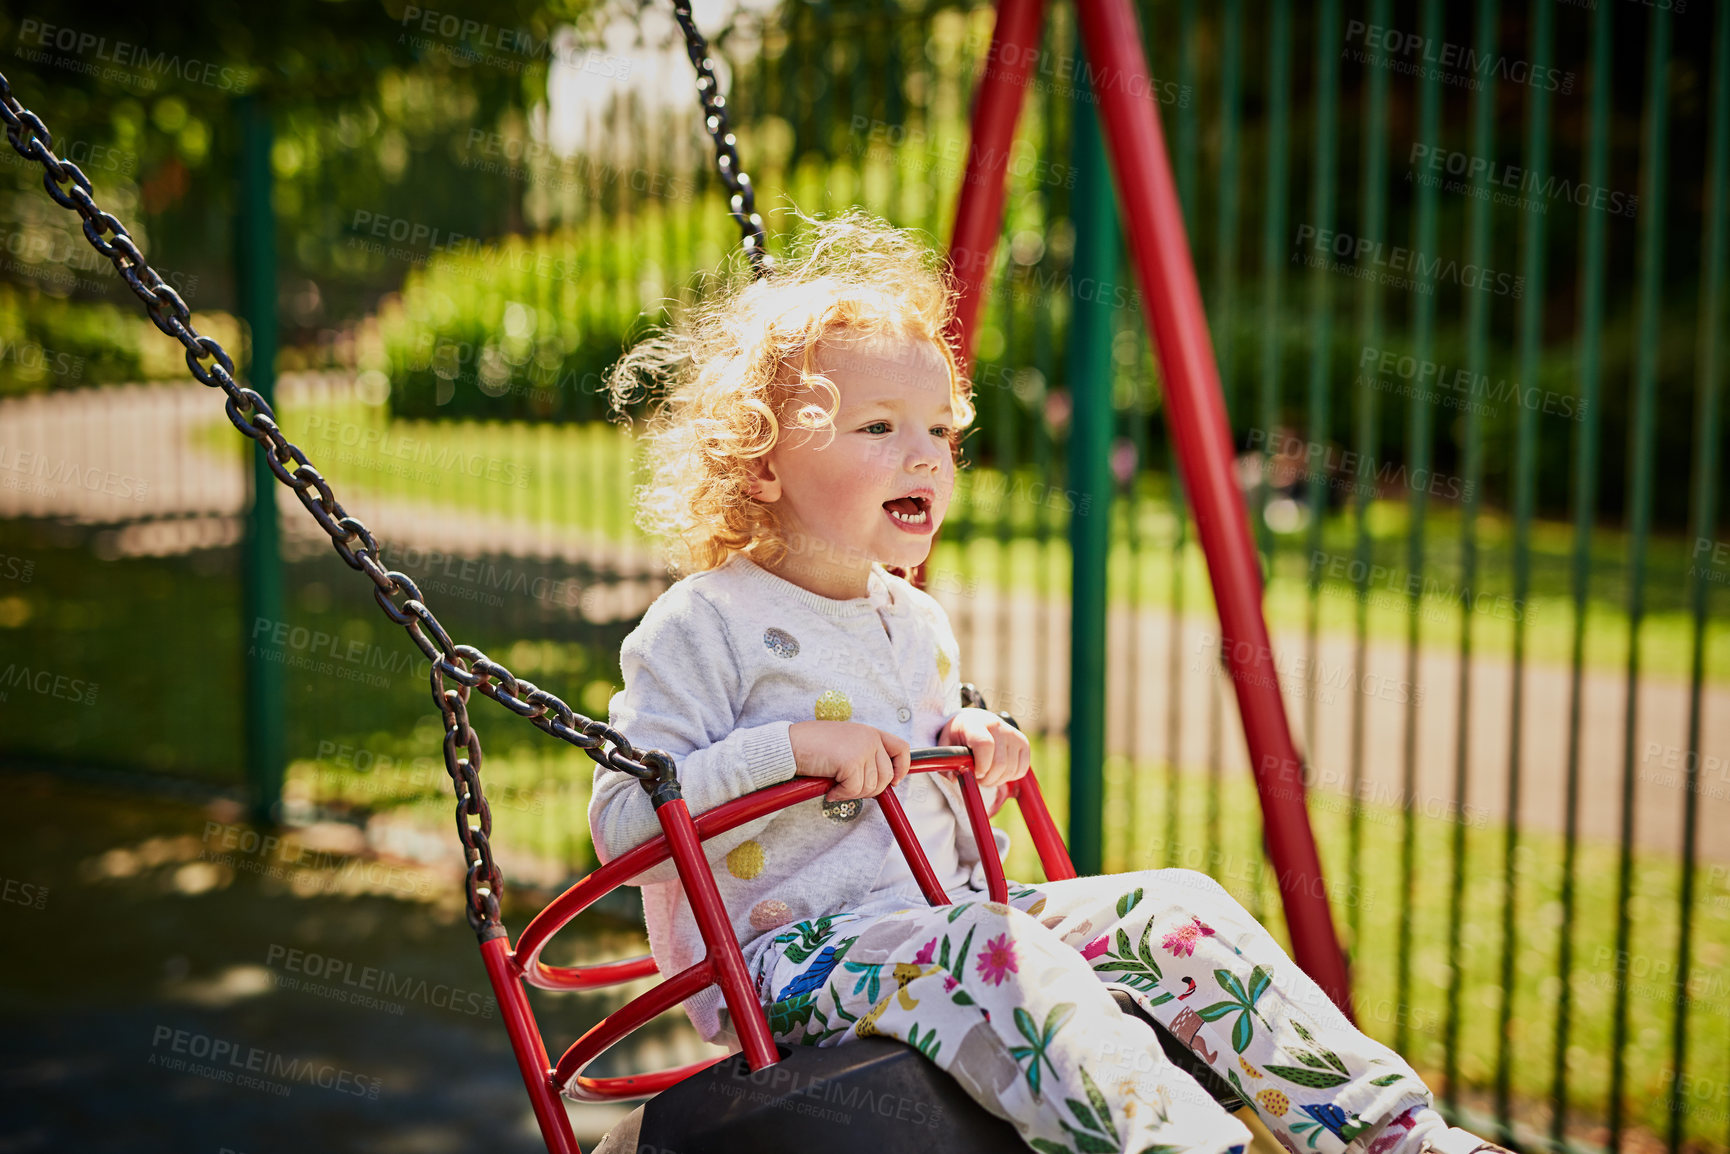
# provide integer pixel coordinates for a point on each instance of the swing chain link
(253, 416)
(742, 194)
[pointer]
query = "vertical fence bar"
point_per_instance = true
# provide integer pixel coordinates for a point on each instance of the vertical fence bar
(1478, 228)
(1272, 252)
(1656, 135)
(1003, 449)
(1525, 469)
(1418, 452)
(1375, 177)
(1133, 506)
(1585, 473)
(1712, 257)
(1321, 334)
(1089, 372)
(1174, 673)
(1045, 363)
(1185, 174)
(1188, 123)
(1224, 322)
(261, 581)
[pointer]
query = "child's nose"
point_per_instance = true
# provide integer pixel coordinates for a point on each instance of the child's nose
(922, 454)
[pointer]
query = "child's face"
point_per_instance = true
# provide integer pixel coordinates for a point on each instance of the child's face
(876, 491)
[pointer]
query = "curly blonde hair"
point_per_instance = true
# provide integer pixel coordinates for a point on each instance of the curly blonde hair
(729, 366)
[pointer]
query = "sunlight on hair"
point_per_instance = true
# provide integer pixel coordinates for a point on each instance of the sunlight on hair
(721, 375)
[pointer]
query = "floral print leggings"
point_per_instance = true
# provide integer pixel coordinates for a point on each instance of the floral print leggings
(1012, 1001)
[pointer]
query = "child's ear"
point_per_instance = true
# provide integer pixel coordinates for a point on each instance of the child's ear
(764, 485)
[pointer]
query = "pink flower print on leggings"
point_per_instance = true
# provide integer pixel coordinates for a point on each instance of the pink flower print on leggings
(997, 960)
(1181, 941)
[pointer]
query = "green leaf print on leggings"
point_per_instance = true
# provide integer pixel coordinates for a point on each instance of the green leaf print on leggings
(928, 1045)
(870, 974)
(958, 970)
(804, 939)
(791, 1014)
(1095, 1120)
(1323, 1054)
(1039, 1040)
(1136, 968)
(1242, 1003)
(1315, 1079)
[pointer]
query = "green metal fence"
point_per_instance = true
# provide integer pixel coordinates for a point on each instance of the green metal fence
(1464, 267)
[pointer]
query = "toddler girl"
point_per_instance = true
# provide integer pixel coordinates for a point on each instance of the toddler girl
(808, 445)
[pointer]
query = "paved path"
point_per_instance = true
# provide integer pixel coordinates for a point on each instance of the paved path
(96, 456)
(1028, 675)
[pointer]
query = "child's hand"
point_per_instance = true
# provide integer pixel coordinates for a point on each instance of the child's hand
(863, 760)
(1001, 752)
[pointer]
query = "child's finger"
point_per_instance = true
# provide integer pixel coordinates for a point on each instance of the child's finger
(846, 785)
(885, 772)
(1002, 760)
(900, 757)
(983, 748)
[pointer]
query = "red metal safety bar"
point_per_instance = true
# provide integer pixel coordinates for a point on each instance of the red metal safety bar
(1153, 221)
(681, 837)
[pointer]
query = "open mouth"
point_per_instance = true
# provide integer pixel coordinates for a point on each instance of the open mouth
(912, 511)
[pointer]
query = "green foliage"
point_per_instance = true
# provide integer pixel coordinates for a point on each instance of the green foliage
(53, 343)
(491, 331)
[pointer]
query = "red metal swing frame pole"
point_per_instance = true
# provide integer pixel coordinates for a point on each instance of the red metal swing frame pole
(1159, 247)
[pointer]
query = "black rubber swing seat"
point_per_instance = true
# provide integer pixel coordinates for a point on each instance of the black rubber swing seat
(870, 1096)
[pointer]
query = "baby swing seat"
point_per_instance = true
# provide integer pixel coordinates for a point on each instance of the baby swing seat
(867, 1095)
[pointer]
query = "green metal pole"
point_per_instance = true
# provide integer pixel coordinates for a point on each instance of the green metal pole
(261, 584)
(1366, 440)
(1531, 322)
(1418, 457)
(1478, 229)
(1274, 256)
(1094, 210)
(1322, 185)
(1643, 407)
(1706, 489)
(1592, 280)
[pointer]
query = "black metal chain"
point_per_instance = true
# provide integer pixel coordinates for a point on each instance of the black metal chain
(464, 664)
(742, 198)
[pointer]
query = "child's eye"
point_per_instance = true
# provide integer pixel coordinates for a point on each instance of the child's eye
(877, 427)
(940, 431)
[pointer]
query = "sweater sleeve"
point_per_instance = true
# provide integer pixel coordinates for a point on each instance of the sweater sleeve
(683, 693)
